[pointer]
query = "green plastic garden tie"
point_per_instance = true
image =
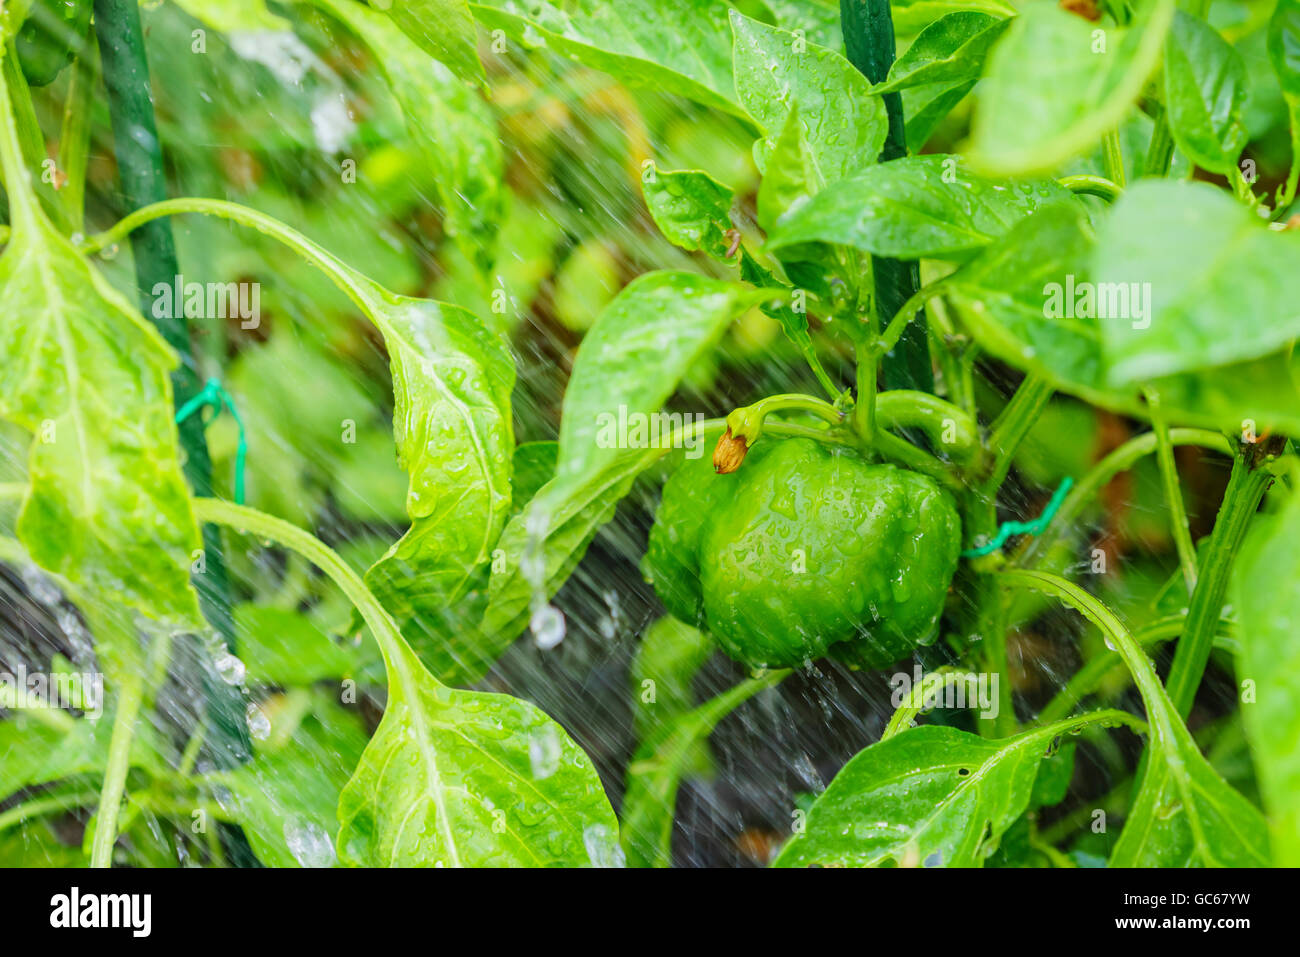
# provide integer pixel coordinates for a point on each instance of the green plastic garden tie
(214, 394)
(1035, 527)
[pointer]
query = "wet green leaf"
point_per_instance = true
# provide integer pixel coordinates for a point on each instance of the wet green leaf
(466, 778)
(1024, 299)
(1210, 266)
(691, 208)
(791, 175)
(951, 51)
(1185, 814)
(921, 206)
(633, 358)
(775, 71)
(452, 380)
(682, 46)
(88, 377)
(1205, 93)
(1265, 599)
(1056, 83)
(818, 19)
(444, 29)
(930, 796)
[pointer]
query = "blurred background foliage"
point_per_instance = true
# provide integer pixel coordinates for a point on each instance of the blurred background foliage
(288, 110)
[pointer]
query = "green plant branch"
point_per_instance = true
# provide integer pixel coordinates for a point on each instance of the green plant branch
(138, 153)
(1246, 487)
(905, 408)
(263, 526)
(74, 138)
(1113, 157)
(1010, 428)
(129, 697)
(1173, 491)
(1088, 678)
(1120, 460)
(864, 403)
(868, 29)
(40, 806)
(1086, 185)
(1144, 674)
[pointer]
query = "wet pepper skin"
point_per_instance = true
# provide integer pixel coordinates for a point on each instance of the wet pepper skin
(805, 550)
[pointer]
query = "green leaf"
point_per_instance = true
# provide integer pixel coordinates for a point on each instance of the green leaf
(1210, 264)
(1002, 297)
(680, 46)
(286, 798)
(552, 534)
(1268, 605)
(32, 752)
(790, 177)
(444, 29)
(447, 118)
(691, 208)
(1056, 83)
(1185, 814)
(1284, 45)
(1029, 299)
(465, 778)
(818, 19)
(776, 70)
(452, 381)
(940, 67)
(1205, 93)
(919, 206)
(82, 371)
(282, 647)
(1283, 42)
(930, 796)
(634, 357)
(656, 771)
(950, 51)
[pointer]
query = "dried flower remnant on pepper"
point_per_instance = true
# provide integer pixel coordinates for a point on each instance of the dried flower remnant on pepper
(729, 453)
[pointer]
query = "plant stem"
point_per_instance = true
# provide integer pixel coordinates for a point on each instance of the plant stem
(139, 162)
(74, 138)
(46, 805)
(1086, 679)
(130, 694)
(259, 524)
(902, 408)
(864, 405)
(1085, 185)
(1160, 153)
(1010, 428)
(1246, 487)
(868, 29)
(1173, 491)
(1144, 674)
(1113, 157)
(1120, 460)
